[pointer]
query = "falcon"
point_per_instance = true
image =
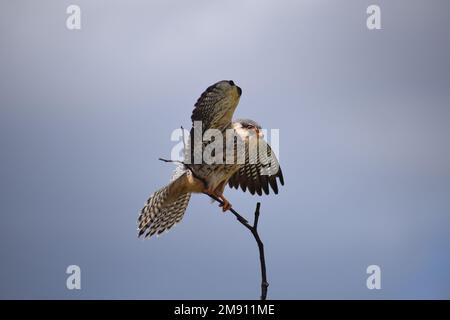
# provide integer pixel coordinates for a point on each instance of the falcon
(257, 173)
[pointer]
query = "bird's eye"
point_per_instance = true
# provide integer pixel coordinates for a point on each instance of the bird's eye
(231, 83)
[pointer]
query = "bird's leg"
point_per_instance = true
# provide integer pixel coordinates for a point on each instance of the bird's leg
(226, 204)
(209, 192)
(218, 192)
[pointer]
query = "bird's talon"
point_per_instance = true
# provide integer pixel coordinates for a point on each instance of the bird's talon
(225, 206)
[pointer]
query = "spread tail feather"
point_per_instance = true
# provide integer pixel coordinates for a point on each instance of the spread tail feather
(162, 210)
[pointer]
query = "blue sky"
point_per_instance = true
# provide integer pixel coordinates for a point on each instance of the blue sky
(363, 119)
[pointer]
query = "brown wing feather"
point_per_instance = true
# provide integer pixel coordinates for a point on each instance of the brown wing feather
(251, 176)
(216, 105)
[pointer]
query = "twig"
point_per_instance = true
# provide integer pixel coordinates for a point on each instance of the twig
(254, 230)
(174, 161)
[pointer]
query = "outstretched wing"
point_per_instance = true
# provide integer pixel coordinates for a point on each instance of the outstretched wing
(216, 105)
(260, 171)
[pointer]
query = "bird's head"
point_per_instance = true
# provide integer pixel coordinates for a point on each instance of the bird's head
(247, 127)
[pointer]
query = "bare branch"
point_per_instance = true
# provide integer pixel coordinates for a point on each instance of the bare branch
(173, 161)
(254, 230)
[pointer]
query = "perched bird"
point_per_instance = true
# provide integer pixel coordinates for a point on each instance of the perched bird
(256, 172)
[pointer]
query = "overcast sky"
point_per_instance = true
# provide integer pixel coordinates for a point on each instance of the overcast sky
(364, 146)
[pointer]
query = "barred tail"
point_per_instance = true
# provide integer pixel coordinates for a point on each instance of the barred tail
(162, 211)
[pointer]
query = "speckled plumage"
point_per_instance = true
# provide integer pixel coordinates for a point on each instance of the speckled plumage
(214, 109)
